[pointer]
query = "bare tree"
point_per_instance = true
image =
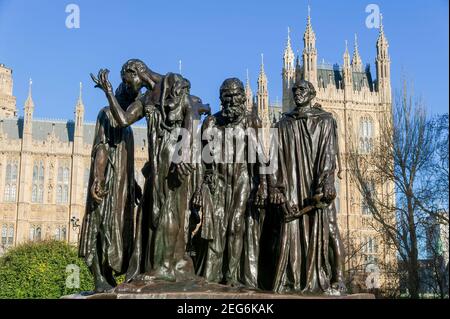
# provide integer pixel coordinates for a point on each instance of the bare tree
(398, 164)
(436, 277)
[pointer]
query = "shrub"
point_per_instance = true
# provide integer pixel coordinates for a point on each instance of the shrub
(38, 270)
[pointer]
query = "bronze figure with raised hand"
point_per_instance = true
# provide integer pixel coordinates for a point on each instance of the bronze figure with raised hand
(107, 231)
(160, 240)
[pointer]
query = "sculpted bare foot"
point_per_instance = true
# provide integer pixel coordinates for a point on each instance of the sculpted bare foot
(102, 286)
(337, 288)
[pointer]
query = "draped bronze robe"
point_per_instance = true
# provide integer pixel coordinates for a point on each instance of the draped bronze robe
(228, 243)
(162, 217)
(108, 227)
(306, 161)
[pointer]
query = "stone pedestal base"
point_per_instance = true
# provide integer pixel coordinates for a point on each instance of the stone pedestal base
(197, 289)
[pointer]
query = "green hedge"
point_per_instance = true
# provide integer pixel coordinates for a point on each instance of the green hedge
(38, 270)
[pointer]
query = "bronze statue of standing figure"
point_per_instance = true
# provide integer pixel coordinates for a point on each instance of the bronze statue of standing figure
(310, 252)
(107, 232)
(162, 219)
(231, 223)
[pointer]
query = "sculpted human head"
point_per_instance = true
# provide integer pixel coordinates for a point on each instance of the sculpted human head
(176, 92)
(232, 97)
(303, 92)
(132, 74)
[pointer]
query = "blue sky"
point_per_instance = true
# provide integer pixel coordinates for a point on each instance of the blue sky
(214, 40)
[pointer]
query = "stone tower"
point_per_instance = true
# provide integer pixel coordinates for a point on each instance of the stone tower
(383, 64)
(262, 103)
(248, 95)
(28, 111)
(288, 74)
(310, 53)
(77, 202)
(7, 100)
(263, 94)
(347, 73)
(356, 60)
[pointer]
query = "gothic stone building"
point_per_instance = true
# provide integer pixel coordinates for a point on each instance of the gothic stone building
(359, 103)
(44, 170)
(44, 164)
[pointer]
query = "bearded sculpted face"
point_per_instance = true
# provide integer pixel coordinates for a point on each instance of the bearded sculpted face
(232, 96)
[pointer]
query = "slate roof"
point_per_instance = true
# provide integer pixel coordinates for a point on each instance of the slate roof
(64, 130)
(327, 74)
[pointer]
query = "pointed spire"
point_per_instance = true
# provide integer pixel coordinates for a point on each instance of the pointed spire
(309, 52)
(80, 99)
(288, 42)
(383, 64)
(248, 94)
(309, 35)
(288, 57)
(262, 63)
(356, 44)
(356, 60)
(248, 80)
(346, 56)
(381, 36)
(262, 74)
(29, 101)
(298, 69)
(79, 112)
(262, 93)
(308, 22)
(381, 24)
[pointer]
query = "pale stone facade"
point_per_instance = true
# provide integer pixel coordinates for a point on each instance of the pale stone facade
(44, 170)
(358, 103)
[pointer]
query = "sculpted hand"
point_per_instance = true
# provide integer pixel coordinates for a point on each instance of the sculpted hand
(98, 191)
(261, 195)
(276, 197)
(102, 81)
(184, 170)
(329, 193)
(197, 199)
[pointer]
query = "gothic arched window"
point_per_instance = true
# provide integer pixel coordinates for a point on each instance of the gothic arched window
(35, 232)
(4, 234)
(37, 193)
(366, 133)
(11, 182)
(60, 232)
(38, 233)
(57, 233)
(370, 250)
(11, 235)
(34, 194)
(59, 194)
(62, 189)
(63, 233)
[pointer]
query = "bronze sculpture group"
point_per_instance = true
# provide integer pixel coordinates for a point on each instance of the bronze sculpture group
(222, 217)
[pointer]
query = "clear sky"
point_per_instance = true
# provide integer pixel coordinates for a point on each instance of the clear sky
(214, 40)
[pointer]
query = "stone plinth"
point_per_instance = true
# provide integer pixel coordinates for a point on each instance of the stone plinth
(197, 289)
